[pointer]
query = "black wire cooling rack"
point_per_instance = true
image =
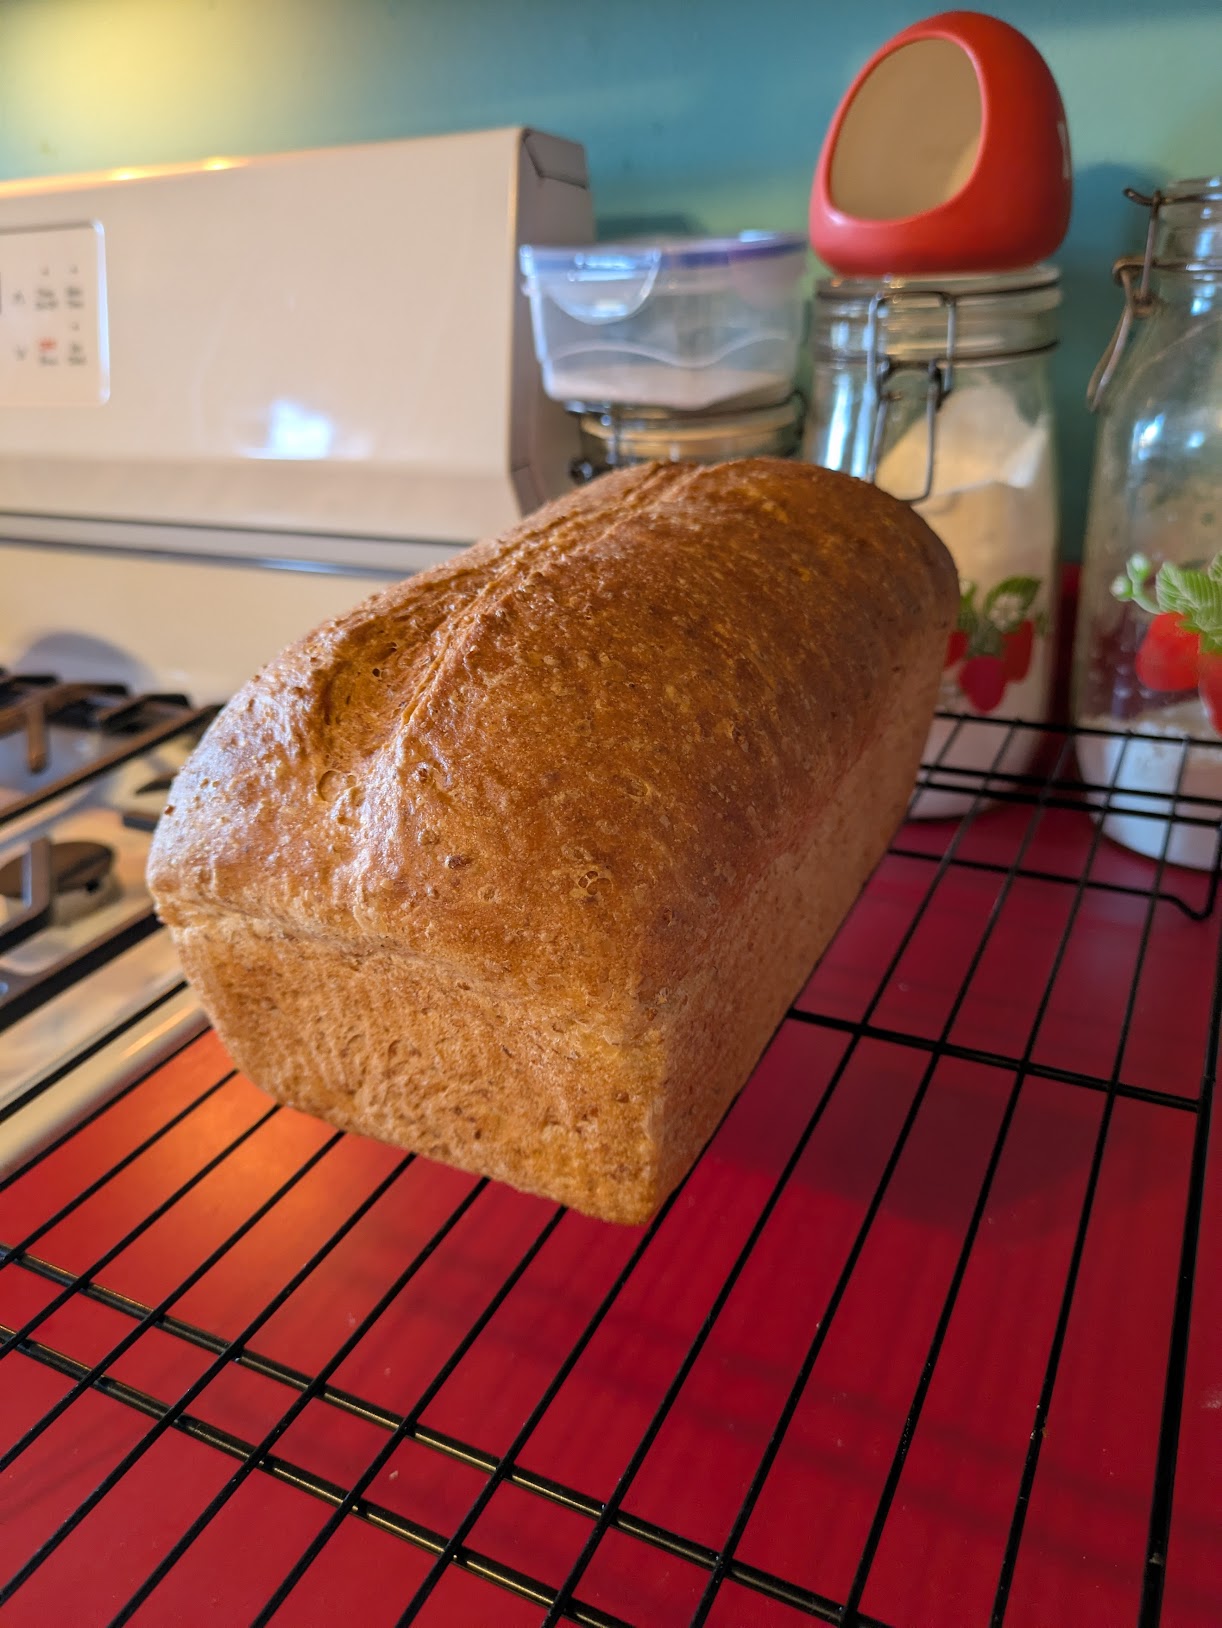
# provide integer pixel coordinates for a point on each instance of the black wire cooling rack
(914, 1343)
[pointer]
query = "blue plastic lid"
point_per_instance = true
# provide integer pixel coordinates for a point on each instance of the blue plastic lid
(609, 261)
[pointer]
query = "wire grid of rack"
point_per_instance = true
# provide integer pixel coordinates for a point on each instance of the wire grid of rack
(922, 1339)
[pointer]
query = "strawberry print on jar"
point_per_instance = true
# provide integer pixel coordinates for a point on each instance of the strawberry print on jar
(991, 651)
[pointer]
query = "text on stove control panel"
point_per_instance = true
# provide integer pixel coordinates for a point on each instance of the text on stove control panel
(53, 349)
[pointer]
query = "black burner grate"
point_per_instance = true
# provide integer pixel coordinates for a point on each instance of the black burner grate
(31, 703)
(1027, 841)
(125, 726)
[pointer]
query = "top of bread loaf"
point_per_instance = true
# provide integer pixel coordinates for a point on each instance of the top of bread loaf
(545, 760)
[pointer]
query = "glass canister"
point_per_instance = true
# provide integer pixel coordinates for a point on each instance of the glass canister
(938, 389)
(613, 437)
(1140, 662)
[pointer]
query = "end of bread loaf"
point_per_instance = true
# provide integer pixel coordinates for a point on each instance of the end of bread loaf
(520, 864)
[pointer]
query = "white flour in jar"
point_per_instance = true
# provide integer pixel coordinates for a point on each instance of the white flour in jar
(994, 506)
(659, 384)
(1153, 767)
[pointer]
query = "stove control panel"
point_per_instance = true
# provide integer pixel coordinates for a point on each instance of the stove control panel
(53, 349)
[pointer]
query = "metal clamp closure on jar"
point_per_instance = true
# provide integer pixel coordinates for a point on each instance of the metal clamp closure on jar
(882, 368)
(1133, 273)
(941, 331)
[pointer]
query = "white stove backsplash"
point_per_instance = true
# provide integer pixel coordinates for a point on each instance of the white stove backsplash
(172, 625)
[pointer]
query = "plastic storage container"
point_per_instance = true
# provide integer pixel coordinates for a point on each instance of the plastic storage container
(1156, 497)
(686, 323)
(938, 389)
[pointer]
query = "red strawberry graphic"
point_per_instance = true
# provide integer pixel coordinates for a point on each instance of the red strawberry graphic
(983, 681)
(1168, 656)
(956, 646)
(1210, 679)
(1016, 657)
(1182, 648)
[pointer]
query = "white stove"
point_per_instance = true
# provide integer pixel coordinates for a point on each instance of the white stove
(235, 398)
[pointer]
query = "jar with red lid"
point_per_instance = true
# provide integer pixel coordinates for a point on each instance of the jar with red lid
(938, 389)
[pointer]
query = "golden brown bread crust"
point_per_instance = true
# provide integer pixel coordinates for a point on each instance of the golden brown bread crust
(473, 867)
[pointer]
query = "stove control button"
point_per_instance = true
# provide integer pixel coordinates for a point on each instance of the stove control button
(53, 339)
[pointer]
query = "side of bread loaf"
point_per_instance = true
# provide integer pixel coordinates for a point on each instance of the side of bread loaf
(519, 863)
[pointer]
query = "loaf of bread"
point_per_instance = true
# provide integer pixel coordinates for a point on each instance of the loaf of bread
(520, 863)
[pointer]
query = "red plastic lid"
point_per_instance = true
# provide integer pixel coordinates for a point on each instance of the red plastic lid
(950, 149)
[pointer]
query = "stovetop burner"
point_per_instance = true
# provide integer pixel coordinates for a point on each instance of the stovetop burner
(79, 877)
(83, 771)
(29, 700)
(56, 734)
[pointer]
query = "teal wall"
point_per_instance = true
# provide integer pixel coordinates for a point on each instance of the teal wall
(705, 116)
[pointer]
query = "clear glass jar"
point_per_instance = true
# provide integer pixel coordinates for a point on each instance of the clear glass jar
(1156, 496)
(938, 389)
(614, 437)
